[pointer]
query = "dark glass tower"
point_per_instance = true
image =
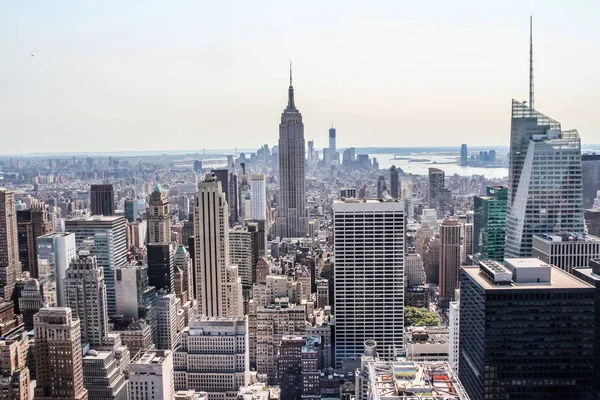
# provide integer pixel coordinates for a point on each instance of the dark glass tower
(436, 190)
(489, 223)
(394, 183)
(161, 267)
(526, 331)
(102, 200)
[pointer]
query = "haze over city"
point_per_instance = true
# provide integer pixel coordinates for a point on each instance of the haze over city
(113, 76)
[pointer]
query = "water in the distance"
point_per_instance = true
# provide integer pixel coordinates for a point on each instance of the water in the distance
(436, 161)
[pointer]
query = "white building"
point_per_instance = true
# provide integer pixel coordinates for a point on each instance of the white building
(415, 271)
(151, 376)
(369, 276)
(258, 197)
(426, 343)
(453, 330)
(55, 251)
(166, 321)
(545, 190)
(213, 357)
(566, 251)
(218, 287)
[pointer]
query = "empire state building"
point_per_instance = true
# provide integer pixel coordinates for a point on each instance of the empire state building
(292, 215)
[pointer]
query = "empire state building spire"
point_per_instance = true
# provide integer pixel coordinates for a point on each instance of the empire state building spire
(291, 106)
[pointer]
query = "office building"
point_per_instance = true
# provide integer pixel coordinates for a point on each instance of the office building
(243, 253)
(436, 191)
(273, 322)
(332, 147)
(591, 275)
(464, 155)
(58, 359)
(55, 252)
(454, 335)
(102, 199)
(544, 187)
(161, 266)
(590, 175)
(132, 209)
(218, 287)
(566, 251)
(426, 343)
(31, 224)
(102, 377)
(467, 242)
(183, 262)
(292, 214)
(10, 266)
(449, 259)
(16, 380)
(213, 357)
(30, 302)
(109, 238)
(136, 335)
(166, 321)
(408, 379)
(381, 187)
(289, 367)
(489, 223)
(151, 376)
(159, 217)
(85, 295)
(258, 197)
(134, 298)
(414, 269)
(394, 183)
(362, 227)
(525, 310)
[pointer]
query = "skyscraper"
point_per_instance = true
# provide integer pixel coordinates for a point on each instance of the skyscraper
(545, 192)
(59, 369)
(394, 183)
(219, 288)
(31, 224)
(166, 321)
(381, 186)
(449, 259)
(108, 239)
(85, 295)
(161, 266)
(292, 215)
(159, 217)
(10, 266)
(363, 228)
(332, 148)
(489, 223)
(464, 155)
(55, 252)
(526, 331)
(151, 376)
(102, 199)
(258, 197)
(202, 343)
(436, 191)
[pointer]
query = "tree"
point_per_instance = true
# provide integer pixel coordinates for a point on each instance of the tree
(414, 316)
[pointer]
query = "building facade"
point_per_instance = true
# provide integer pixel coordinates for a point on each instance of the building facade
(151, 376)
(363, 228)
(489, 223)
(566, 251)
(159, 216)
(292, 214)
(449, 259)
(544, 186)
(55, 252)
(10, 267)
(102, 200)
(436, 191)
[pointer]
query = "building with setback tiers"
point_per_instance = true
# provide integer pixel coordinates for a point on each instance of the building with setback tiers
(218, 286)
(10, 266)
(292, 214)
(59, 369)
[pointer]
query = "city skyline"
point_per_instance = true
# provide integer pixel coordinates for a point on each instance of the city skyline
(67, 79)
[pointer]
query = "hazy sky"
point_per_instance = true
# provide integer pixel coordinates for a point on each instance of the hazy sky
(172, 75)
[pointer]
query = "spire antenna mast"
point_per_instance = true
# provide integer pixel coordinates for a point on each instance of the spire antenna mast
(531, 62)
(290, 72)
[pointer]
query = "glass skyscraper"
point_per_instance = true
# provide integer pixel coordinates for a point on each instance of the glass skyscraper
(544, 189)
(489, 223)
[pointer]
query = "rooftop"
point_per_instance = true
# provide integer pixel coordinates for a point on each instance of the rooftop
(559, 279)
(411, 380)
(568, 237)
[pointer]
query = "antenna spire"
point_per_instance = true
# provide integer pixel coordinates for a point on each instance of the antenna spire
(531, 62)
(290, 72)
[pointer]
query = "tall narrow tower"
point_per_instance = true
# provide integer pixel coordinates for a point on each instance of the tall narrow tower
(159, 217)
(292, 215)
(9, 248)
(219, 288)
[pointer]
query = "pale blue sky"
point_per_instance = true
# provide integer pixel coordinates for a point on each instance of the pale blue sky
(172, 75)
